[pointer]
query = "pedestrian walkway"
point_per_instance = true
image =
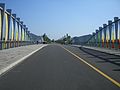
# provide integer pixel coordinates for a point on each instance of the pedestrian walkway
(13, 56)
(105, 50)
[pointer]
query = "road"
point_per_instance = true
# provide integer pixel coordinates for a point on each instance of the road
(57, 67)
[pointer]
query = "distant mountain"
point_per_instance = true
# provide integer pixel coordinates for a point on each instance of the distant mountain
(81, 40)
(36, 38)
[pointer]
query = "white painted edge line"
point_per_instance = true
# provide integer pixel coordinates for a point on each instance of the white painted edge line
(18, 61)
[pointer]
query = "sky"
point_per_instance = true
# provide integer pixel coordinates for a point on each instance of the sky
(58, 17)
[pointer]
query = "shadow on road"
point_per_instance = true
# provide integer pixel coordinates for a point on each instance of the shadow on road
(116, 69)
(106, 58)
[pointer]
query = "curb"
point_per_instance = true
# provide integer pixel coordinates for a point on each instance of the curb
(97, 50)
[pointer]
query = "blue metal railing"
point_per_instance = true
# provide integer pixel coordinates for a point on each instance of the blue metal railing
(107, 36)
(13, 32)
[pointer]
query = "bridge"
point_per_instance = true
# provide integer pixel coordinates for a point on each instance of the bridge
(95, 64)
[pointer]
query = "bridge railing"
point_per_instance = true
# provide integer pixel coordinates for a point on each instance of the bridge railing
(13, 32)
(107, 36)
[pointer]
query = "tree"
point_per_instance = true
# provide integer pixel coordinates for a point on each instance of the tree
(52, 40)
(66, 39)
(46, 39)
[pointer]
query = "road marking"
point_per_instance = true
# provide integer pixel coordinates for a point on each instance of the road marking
(93, 67)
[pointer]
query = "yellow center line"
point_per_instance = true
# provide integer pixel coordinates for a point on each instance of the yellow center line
(93, 67)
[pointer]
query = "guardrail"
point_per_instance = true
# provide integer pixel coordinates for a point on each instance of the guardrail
(107, 36)
(13, 32)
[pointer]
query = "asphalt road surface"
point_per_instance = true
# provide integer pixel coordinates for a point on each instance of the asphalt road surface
(58, 67)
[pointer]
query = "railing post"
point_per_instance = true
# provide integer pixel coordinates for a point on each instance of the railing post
(8, 29)
(13, 31)
(96, 38)
(107, 36)
(93, 42)
(21, 33)
(24, 34)
(113, 35)
(116, 32)
(18, 37)
(104, 28)
(110, 33)
(28, 34)
(119, 32)
(2, 5)
(100, 30)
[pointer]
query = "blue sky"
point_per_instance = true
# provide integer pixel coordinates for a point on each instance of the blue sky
(58, 17)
